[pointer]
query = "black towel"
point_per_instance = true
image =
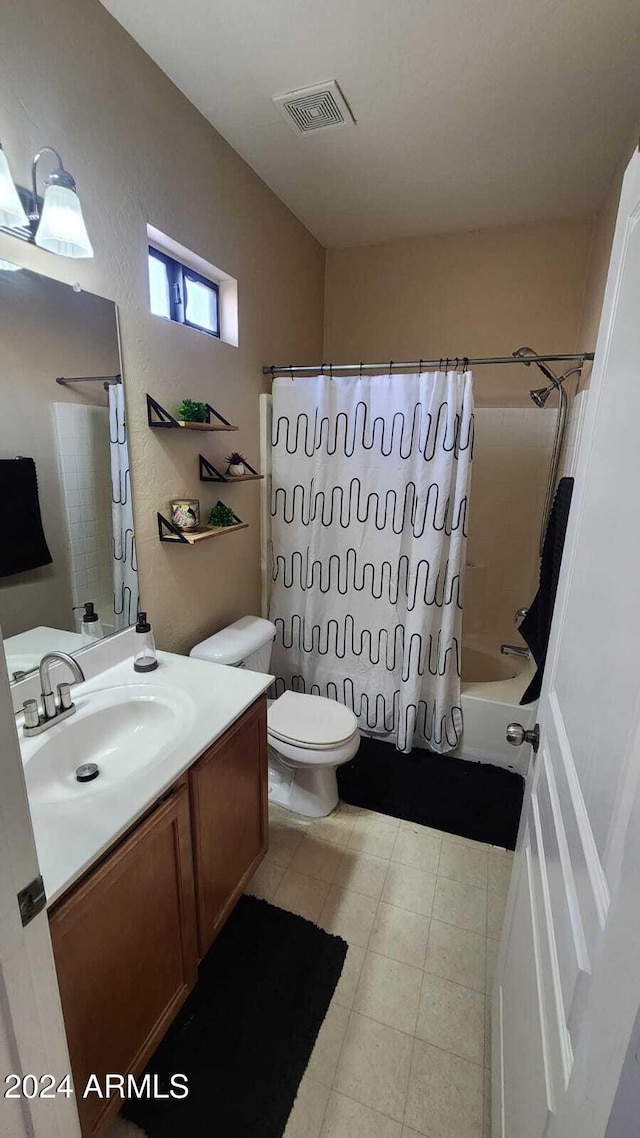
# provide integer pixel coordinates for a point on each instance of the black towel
(536, 625)
(24, 545)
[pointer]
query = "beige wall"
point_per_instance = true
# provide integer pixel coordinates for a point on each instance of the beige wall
(484, 294)
(481, 294)
(47, 331)
(71, 77)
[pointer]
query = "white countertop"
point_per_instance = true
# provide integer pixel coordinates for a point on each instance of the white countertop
(71, 834)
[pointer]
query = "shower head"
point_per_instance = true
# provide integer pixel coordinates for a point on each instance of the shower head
(541, 394)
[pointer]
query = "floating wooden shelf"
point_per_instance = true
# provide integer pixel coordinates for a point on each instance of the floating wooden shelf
(210, 473)
(159, 418)
(170, 533)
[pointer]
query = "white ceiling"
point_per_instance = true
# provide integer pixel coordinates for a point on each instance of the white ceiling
(470, 113)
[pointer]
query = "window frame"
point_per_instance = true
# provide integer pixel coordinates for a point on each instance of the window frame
(176, 274)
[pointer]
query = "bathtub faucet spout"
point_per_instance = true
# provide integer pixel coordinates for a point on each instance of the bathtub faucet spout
(515, 650)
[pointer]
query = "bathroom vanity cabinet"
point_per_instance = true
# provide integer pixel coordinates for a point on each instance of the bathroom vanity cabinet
(229, 818)
(124, 942)
(127, 938)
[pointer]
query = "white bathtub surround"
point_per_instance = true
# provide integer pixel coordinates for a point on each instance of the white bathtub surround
(511, 455)
(369, 500)
(82, 441)
(125, 567)
(575, 422)
(492, 686)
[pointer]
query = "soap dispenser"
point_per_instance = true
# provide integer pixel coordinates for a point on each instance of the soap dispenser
(144, 655)
(91, 624)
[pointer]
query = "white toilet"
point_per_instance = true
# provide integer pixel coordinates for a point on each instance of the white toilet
(309, 736)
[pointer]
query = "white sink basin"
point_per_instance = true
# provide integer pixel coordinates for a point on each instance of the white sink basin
(121, 729)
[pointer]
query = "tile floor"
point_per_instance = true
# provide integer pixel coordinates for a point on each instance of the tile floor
(403, 1050)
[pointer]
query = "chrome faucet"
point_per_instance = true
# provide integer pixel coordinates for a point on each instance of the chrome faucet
(54, 707)
(515, 650)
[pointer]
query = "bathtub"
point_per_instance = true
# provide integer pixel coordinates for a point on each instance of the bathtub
(492, 686)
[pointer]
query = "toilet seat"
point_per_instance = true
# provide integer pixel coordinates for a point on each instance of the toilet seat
(310, 722)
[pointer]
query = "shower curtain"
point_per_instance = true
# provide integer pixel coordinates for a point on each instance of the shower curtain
(370, 481)
(125, 572)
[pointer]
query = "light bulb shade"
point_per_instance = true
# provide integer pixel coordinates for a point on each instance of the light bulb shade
(62, 229)
(12, 215)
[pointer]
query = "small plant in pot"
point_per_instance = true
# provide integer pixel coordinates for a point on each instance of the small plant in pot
(190, 411)
(222, 515)
(236, 464)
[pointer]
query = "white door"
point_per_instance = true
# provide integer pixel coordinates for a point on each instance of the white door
(32, 1039)
(568, 979)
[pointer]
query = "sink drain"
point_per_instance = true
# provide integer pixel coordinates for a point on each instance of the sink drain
(86, 772)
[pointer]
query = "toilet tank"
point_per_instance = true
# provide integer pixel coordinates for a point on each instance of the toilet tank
(244, 644)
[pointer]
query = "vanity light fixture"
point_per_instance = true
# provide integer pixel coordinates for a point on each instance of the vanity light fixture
(60, 224)
(12, 214)
(54, 222)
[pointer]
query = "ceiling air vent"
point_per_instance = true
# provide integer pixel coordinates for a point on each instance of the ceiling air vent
(323, 107)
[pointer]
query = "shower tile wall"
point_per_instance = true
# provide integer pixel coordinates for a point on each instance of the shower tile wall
(82, 435)
(510, 469)
(575, 421)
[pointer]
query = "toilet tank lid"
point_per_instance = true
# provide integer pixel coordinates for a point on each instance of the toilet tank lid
(235, 642)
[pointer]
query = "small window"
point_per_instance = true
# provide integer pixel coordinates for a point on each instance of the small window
(180, 294)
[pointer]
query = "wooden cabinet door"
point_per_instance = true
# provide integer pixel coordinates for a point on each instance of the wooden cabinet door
(125, 947)
(229, 818)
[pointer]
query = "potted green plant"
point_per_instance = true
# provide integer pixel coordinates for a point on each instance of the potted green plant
(191, 411)
(236, 464)
(222, 515)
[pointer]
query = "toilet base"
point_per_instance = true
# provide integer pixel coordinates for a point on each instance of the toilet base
(310, 791)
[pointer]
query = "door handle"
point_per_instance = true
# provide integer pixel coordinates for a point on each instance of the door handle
(516, 735)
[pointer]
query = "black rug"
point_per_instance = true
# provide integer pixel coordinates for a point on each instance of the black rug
(245, 1034)
(474, 800)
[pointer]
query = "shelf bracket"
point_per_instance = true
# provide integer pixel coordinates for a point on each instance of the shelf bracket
(168, 532)
(209, 472)
(219, 417)
(237, 521)
(251, 469)
(163, 417)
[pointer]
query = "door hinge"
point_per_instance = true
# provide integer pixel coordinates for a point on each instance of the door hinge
(32, 900)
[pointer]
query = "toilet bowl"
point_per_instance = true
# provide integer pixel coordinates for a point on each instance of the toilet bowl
(309, 736)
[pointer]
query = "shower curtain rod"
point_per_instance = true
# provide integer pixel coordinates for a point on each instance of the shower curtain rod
(317, 369)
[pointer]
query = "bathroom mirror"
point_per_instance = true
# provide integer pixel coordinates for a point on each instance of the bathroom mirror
(67, 538)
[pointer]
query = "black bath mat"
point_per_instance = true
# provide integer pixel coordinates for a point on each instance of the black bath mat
(245, 1034)
(474, 800)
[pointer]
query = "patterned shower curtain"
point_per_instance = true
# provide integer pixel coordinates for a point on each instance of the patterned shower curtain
(125, 571)
(370, 483)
